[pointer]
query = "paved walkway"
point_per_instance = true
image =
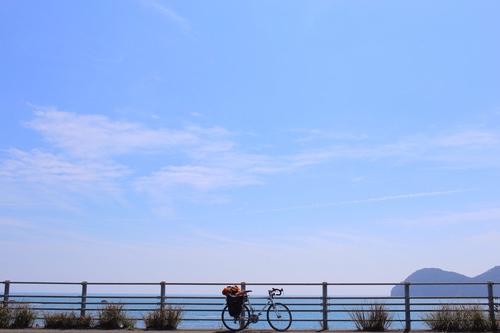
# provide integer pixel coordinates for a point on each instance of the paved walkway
(138, 330)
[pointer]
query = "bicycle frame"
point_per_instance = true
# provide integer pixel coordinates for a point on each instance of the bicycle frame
(254, 317)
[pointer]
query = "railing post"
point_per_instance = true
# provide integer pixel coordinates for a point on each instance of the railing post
(83, 307)
(407, 307)
(324, 301)
(491, 306)
(163, 288)
(6, 292)
(243, 286)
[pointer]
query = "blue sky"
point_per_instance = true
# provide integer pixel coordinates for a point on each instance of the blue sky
(259, 141)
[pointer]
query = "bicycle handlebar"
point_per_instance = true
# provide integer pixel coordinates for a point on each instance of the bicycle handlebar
(275, 292)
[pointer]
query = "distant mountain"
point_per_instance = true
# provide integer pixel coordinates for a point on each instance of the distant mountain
(431, 275)
(490, 275)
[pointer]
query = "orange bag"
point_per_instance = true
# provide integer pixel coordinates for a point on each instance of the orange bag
(230, 290)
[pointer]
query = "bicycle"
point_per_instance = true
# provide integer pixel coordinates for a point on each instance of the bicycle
(278, 315)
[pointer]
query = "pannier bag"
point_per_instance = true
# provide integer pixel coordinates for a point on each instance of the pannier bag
(234, 305)
(234, 299)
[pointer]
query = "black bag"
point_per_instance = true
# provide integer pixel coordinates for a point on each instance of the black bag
(234, 305)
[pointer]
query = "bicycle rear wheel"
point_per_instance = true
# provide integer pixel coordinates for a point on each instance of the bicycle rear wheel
(279, 317)
(236, 323)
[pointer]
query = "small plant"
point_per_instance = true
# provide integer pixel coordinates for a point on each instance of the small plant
(376, 318)
(113, 316)
(458, 318)
(65, 320)
(496, 307)
(61, 320)
(84, 322)
(5, 317)
(163, 319)
(21, 316)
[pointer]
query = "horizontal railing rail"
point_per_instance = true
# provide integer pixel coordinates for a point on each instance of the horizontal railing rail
(314, 306)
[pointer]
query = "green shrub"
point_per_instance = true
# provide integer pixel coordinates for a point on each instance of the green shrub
(163, 319)
(21, 316)
(458, 318)
(67, 320)
(113, 316)
(376, 318)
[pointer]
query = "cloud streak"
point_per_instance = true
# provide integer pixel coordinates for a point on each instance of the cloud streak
(363, 201)
(43, 167)
(86, 152)
(96, 136)
(168, 13)
(488, 214)
(467, 148)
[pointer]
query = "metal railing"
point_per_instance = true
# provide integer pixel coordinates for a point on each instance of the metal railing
(323, 306)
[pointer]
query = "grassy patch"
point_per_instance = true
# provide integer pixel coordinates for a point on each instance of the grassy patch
(67, 320)
(113, 316)
(5, 317)
(458, 318)
(163, 319)
(374, 318)
(17, 315)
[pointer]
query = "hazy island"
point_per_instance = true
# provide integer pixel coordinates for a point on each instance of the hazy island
(436, 275)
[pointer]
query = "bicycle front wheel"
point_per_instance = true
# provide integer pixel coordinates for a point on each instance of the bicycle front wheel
(279, 317)
(236, 323)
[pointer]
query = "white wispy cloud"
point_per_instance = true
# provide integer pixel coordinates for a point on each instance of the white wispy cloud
(88, 151)
(95, 136)
(309, 135)
(45, 167)
(170, 14)
(469, 137)
(201, 178)
(12, 222)
(464, 148)
(367, 200)
(46, 180)
(452, 218)
(94, 139)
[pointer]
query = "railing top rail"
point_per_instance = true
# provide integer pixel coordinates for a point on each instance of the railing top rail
(170, 283)
(120, 283)
(39, 282)
(247, 283)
